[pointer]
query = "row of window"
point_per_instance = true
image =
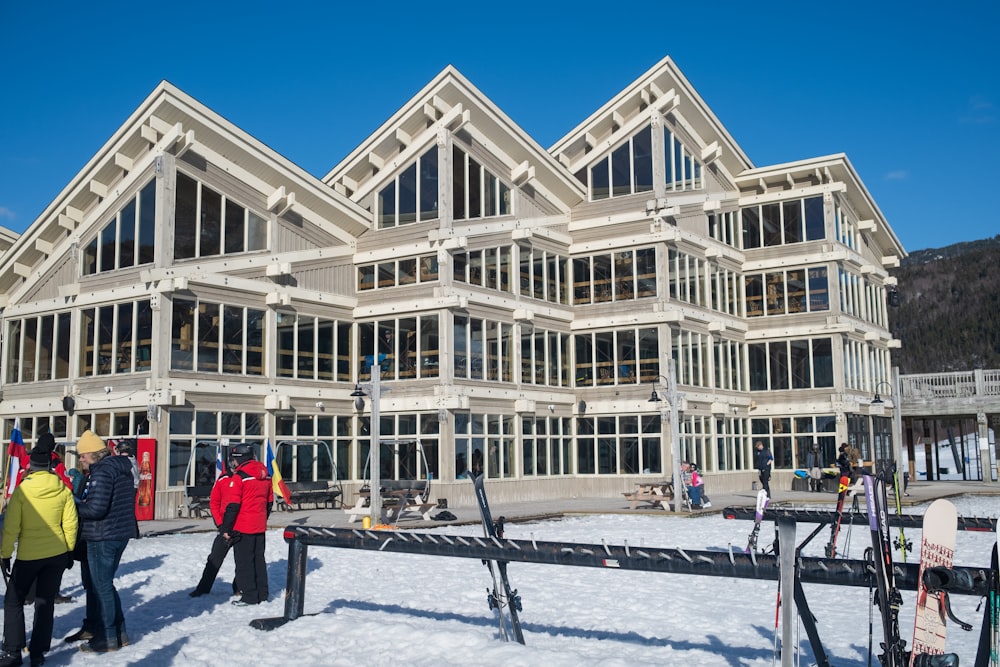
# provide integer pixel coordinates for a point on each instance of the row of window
(397, 273)
(216, 338)
(128, 238)
(783, 223)
(208, 223)
(790, 364)
(862, 299)
(629, 168)
(787, 292)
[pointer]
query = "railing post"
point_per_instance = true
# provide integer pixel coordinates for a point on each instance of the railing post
(295, 581)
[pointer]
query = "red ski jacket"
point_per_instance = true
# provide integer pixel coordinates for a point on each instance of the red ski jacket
(247, 500)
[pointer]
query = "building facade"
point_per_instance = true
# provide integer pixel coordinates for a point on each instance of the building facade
(518, 304)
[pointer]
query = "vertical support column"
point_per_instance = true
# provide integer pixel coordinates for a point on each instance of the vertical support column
(295, 582)
(983, 435)
(786, 565)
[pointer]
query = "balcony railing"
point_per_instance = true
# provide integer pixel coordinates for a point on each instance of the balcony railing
(962, 384)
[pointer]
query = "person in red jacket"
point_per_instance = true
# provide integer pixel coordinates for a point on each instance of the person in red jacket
(247, 502)
(221, 546)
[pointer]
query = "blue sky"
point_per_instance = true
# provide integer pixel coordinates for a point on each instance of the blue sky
(909, 91)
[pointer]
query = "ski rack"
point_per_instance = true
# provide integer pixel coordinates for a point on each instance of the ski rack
(675, 560)
(986, 524)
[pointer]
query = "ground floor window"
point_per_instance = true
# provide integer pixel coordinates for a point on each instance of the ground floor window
(618, 445)
(484, 443)
(195, 436)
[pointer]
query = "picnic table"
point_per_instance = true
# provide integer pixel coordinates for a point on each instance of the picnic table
(653, 495)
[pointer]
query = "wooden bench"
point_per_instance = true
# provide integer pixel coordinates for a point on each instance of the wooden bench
(319, 493)
(197, 501)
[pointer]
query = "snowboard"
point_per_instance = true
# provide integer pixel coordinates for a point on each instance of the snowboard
(937, 549)
(988, 652)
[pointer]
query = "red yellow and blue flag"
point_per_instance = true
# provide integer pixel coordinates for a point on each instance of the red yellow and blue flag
(277, 483)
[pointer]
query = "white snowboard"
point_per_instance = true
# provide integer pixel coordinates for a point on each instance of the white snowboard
(937, 548)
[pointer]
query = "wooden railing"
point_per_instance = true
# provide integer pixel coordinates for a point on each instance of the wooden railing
(962, 384)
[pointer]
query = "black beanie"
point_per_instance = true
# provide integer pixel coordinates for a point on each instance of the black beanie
(41, 453)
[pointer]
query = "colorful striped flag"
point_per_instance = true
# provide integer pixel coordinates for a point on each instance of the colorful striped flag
(219, 466)
(17, 458)
(277, 483)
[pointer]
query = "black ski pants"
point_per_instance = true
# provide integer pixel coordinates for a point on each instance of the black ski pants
(46, 574)
(251, 570)
(220, 547)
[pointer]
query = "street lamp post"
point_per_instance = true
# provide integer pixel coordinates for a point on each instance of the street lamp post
(374, 392)
(674, 399)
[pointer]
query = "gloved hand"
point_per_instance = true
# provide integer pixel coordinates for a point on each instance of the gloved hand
(5, 566)
(69, 562)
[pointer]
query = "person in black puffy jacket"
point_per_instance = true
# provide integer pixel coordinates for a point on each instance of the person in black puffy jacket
(107, 523)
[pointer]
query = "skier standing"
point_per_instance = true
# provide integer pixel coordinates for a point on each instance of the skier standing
(247, 502)
(762, 460)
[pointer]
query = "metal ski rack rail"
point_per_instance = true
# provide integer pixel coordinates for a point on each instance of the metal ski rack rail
(986, 524)
(675, 560)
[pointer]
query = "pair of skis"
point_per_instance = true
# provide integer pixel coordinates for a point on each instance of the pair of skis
(502, 598)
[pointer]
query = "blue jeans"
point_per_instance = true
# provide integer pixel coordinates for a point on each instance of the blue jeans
(102, 560)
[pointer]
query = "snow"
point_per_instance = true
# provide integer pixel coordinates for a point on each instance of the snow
(375, 608)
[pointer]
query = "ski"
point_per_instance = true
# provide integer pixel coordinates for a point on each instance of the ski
(762, 501)
(831, 546)
(937, 551)
(889, 598)
(901, 543)
(502, 598)
(989, 642)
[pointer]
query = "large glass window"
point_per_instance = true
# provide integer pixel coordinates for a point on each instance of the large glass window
(412, 196)
(406, 348)
(126, 239)
(794, 364)
(194, 438)
(780, 224)
(478, 192)
(627, 170)
(216, 338)
(37, 348)
(116, 338)
(787, 292)
(208, 223)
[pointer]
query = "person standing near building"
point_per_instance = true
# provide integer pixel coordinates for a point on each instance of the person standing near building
(221, 545)
(814, 462)
(107, 523)
(41, 519)
(762, 461)
(247, 502)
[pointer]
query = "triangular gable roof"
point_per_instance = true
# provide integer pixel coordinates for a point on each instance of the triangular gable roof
(828, 169)
(170, 120)
(451, 102)
(663, 87)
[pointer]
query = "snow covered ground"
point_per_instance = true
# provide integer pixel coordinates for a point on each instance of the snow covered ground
(389, 609)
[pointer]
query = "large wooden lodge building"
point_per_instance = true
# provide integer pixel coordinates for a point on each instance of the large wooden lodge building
(193, 286)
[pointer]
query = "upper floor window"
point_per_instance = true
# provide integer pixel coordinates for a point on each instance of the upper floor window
(216, 338)
(682, 169)
(478, 192)
(627, 170)
(725, 227)
(790, 364)
(397, 272)
(783, 292)
(781, 223)
(619, 276)
(127, 238)
(313, 348)
(207, 223)
(406, 348)
(116, 338)
(412, 196)
(488, 267)
(37, 348)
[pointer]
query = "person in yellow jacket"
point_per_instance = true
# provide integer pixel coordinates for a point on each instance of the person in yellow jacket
(41, 520)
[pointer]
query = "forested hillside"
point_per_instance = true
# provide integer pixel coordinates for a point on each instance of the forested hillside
(948, 318)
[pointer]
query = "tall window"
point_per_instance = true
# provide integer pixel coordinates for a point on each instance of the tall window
(627, 170)
(766, 225)
(794, 364)
(483, 349)
(478, 192)
(195, 436)
(116, 338)
(683, 170)
(208, 223)
(37, 348)
(216, 338)
(406, 348)
(412, 196)
(126, 239)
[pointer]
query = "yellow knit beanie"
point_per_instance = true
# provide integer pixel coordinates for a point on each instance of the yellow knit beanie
(89, 443)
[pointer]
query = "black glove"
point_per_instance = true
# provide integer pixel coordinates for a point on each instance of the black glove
(69, 561)
(5, 566)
